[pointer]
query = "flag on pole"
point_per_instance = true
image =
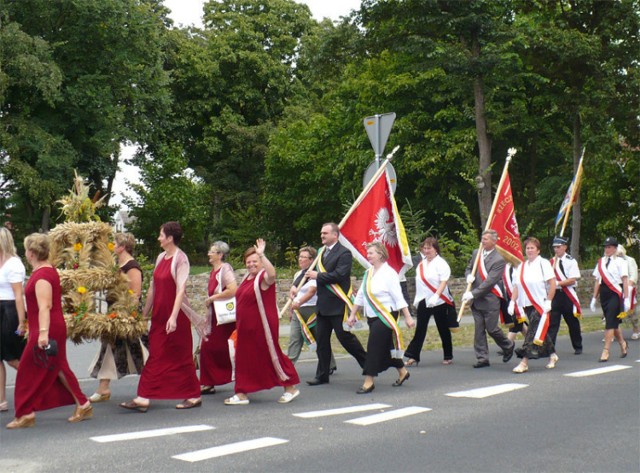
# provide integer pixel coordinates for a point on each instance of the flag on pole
(504, 222)
(571, 196)
(376, 218)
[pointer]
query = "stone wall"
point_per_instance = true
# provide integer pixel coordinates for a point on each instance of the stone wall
(197, 288)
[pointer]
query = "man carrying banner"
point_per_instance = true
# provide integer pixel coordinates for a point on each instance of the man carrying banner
(334, 300)
(486, 294)
(565, 303)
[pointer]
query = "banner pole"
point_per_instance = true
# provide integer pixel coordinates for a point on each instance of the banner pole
(510, 153)
(362, 195)
(573, 193)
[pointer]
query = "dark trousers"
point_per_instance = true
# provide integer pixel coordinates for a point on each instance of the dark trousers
(424, 314)
(562, 307)
(326, 324)
(379, 348)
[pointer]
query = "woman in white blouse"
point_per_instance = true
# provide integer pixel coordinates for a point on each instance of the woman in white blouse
(533, 291)
(432, 299)
(381, 298)
(12, 313)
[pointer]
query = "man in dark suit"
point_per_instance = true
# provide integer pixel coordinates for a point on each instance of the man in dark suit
(335, 268)
(486, 303)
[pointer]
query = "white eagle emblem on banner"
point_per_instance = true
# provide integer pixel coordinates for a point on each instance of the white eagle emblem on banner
(385, 228)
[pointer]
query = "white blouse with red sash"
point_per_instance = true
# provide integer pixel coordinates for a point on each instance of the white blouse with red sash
(429, 276)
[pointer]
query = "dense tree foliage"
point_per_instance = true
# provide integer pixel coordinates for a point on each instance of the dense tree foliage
(252, 125)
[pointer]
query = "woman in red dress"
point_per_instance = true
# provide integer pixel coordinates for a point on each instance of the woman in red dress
(215, 361)
(170, 372)
(43, 381)
(260, 363)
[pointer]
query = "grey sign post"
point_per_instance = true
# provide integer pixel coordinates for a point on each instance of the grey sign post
(378, 128)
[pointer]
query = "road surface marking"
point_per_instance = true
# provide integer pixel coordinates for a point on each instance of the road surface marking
(390, 415)
(145, 434)
(481, 393)
(595, 371)
(340, 411)
(229, 449)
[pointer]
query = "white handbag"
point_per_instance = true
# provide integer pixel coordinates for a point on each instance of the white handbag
(225, 311)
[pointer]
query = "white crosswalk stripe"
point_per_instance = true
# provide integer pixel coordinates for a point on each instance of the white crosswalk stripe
(481, 393)
(229, 449)
(340, 411)
(596, 371)
(390, 415)
(145, 434)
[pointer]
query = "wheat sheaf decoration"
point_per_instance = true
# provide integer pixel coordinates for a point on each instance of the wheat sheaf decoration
(96, 299)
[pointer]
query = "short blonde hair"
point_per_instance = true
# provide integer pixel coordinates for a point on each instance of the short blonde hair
(126, 240)
(38, 244)
(7, 246)
(380, 248)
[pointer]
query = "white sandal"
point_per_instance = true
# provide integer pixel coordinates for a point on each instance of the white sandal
(236, 401)
(553, 359)
(4, 406)
(287, 397)
(521, 368)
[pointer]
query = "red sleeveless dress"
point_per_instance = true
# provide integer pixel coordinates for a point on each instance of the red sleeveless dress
(169, 372)
(215, 361)
(254, 367)
(38, 386)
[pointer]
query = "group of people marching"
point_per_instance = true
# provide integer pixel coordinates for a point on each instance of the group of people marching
(535, 295)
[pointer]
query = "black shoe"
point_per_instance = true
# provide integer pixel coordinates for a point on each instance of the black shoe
(400, 381)
(364, 390)
(317, 382)
(481, 364)
(332, 370)
(578, 351)
(508, 353)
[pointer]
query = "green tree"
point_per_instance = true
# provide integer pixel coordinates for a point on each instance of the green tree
(113, 87)
(169, 191)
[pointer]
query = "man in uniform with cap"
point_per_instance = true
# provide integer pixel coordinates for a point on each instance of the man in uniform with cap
(565, 303)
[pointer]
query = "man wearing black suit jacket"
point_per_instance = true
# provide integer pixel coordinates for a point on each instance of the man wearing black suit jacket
(336, 264)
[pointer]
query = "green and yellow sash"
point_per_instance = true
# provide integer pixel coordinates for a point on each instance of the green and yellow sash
(306, 327)
(347, 297)
(383, 314)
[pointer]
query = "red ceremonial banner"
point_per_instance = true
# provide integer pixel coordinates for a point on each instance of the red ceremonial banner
(504, 222)
(376, 218)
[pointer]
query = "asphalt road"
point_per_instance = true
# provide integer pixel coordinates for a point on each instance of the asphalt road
(553, 422)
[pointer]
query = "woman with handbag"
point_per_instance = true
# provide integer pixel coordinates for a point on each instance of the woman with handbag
(170, 372)
(44, 380)
(260, 363)
(12, 316)
(215, 361)
(433, 298)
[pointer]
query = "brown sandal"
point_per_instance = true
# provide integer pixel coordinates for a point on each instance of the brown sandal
(189, 404)
(134, 406)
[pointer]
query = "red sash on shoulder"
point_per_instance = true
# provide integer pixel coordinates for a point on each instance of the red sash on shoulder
(446, 299)
(607, 281)
(569, 291)
(543, 326)
(495, 290)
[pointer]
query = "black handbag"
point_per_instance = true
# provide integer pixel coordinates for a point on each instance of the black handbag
(52, 348)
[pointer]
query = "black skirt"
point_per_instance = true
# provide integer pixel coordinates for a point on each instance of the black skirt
(11, 344)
